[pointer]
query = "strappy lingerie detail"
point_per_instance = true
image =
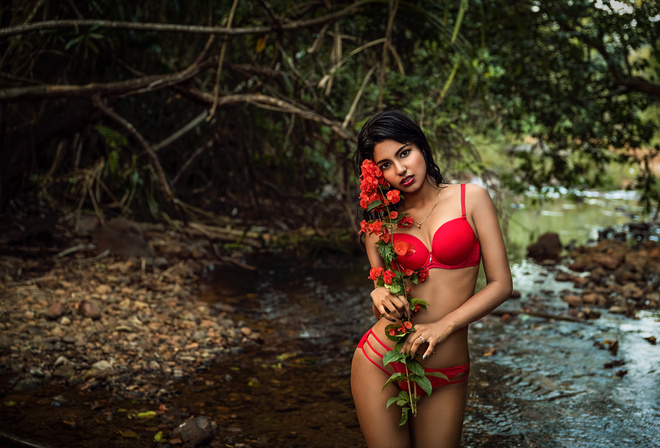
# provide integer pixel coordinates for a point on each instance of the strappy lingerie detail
(454, 245)
(455, 374)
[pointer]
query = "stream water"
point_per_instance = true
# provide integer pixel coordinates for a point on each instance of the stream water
(534, 382)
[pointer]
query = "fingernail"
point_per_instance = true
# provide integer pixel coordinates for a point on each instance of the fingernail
(425, 356)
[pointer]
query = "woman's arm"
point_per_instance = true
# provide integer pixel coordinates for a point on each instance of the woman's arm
(384, 303)
(496, 266)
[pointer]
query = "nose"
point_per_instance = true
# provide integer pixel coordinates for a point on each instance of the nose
(400, 168)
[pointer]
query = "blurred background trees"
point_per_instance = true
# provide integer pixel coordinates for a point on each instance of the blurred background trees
(250, 109)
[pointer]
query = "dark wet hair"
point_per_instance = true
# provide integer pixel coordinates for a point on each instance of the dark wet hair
(394, 125)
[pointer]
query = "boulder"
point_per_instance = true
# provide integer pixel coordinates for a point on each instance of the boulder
(547, 247)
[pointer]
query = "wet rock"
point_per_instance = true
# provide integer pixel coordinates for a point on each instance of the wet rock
(593, 299)
(547, 247)
(651, 340)
(101, 366)
(192, 433)
(616, 309)
(573, 301)
(632, 291)
(246, 331)
(54, 311)
(28, 383)
(563, 277)
(89, 309)
(65, 371)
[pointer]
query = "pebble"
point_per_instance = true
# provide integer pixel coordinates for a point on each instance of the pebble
(65, 321)
(55, 311)
(89, 309)
(101, 365)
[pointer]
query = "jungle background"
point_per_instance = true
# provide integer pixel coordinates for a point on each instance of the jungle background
(227, 128)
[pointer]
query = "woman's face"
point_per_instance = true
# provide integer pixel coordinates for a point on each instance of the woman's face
(403, 164)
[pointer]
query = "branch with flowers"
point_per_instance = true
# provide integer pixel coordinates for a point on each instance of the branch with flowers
(379, 200)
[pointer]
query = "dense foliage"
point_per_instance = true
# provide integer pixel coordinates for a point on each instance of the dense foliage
(250, 108)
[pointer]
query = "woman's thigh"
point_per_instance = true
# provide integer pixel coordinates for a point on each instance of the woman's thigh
(439, 420)
(379, 425)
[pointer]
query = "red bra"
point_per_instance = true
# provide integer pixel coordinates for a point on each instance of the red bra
(454, 245)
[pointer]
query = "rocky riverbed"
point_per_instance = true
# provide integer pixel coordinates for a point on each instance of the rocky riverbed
(120, 312)
(122, 324)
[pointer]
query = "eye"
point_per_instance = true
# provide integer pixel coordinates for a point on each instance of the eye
(385, 165)
(405, 153)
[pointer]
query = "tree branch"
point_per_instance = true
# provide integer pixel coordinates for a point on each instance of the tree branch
(171, 27)
(634, 83)
(144, 84)
(268, 102)
(167, 192)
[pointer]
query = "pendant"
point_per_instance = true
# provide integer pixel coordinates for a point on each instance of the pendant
(419, 226)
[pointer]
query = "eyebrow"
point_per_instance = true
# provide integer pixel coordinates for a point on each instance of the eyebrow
(395, 154)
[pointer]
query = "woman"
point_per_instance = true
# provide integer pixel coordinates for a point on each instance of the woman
(455, 228)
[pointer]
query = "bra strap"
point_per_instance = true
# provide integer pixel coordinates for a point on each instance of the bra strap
(463, 199)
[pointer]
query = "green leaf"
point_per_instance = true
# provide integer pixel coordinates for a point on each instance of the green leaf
(394, 377)
(147, 414)
(393, 356)
(403, 398)
(425, 384)
(438, 374)
(391, 401)
(387, 252)
(395, 289)
(373, 205)
(420, 302)
(415, 367)
(404, 416)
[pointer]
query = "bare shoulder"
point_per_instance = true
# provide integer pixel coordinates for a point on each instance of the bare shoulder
(476, 195)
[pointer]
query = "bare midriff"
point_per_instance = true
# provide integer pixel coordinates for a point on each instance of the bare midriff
(445, 291)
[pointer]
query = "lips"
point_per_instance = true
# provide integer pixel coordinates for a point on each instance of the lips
(408, 180)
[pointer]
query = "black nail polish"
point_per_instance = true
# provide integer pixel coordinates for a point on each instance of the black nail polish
(425, 356)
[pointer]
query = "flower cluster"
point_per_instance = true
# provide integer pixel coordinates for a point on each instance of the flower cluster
(376, 198)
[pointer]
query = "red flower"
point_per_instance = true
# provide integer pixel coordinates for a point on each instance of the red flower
(417, 308)
(385, 237)
(388, 276)
(409, 272)
(374, 273)
(405, 222)
(403, 249)
(393, 215)
(392, 331)
(402, 329)
(364, 226)
(393, 196)
(377, 227)
(424, 275)
(408, 325)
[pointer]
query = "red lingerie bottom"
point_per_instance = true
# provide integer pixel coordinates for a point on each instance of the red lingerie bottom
(451, 372)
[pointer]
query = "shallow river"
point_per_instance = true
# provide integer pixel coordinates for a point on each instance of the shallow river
(534, 382)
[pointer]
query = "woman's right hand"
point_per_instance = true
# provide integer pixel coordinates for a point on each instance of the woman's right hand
(390, 306)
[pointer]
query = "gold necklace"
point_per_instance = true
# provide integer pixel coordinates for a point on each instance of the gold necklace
(419, 225)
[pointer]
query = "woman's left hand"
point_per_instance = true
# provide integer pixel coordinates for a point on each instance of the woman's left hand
(433, 333)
